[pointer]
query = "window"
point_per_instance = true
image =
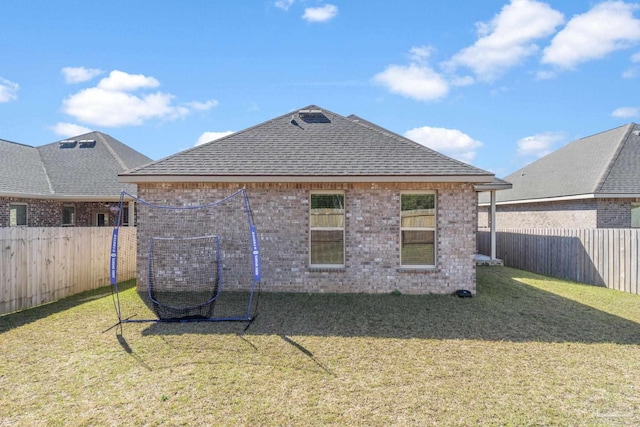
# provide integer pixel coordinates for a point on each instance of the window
(102, 219)
(124, 219)
(635, 215)
(17, 214)
(326, 236)
(68, 215)
(418, 230)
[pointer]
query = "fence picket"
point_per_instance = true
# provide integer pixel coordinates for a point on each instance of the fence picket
(41, 265)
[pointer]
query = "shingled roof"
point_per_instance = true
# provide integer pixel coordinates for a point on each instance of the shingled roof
(603, 165)
(310, 144)
(84, 167)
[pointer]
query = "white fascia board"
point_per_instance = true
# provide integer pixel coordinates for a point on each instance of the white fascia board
(488, 187)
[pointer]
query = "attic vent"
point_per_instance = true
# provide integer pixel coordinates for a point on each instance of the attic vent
(636, 132)
(87, 143)
(68, 143)
(313, 116)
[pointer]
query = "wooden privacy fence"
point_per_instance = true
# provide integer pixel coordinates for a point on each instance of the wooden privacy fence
(41, 265)
(604, 257)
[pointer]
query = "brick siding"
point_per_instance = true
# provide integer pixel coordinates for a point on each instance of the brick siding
(48, 213)
(590, 213)
(372, 235)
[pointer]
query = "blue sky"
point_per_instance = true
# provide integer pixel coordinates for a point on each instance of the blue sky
(493, 83)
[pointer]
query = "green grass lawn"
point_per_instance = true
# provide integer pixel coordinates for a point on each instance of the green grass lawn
(527, 350)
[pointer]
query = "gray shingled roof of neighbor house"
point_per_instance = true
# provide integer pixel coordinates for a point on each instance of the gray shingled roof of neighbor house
(606, 165)
(21, 170)
(309, 144)
(71, 170)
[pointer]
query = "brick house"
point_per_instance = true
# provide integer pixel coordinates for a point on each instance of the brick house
(397, 215)
(593, 182)
(72, 182)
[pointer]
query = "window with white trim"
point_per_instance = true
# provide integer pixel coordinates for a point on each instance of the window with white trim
(635, 215)
(326, 230)
(418, 229)
(17, 214)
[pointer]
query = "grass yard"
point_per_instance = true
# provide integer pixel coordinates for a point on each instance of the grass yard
(527, 350)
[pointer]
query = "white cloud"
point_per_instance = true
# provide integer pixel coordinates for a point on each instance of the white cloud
(106, 108)
(416, 80)
(633, 71)
(69, 129)
(8, 90)
(607, 27)
(212, 136)
(461, 80)
(119, 81)
(545, 75)
(112, 103)
(451, 142)
(508, 39)
(203, 106)
(320, 14)
(540, 144)
(420, 53)
(79, 74)
(284, 4)
(625, 112)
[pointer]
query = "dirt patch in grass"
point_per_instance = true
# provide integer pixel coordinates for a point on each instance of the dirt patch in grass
(527, 350)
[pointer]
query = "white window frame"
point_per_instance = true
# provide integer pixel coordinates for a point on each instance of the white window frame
(328, 228)
(26, 214)
(96, 215)
(434, 228)
(73, 216)
(635, 207)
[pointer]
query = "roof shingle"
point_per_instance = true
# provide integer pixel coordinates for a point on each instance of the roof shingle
(81, 170)
(310, 142)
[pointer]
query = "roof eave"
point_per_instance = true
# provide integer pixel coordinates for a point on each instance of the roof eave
(135, 178)
(63, 198)
(568, 198)
(493, 186)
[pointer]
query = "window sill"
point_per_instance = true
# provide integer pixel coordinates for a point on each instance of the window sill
(340, 269)
(430, 269)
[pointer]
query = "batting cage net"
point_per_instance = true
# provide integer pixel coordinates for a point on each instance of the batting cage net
(198, 261)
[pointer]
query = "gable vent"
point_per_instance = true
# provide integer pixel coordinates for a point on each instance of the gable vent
(87, 143)
(68, 143)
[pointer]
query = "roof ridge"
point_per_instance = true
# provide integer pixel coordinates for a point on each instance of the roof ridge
(17, 143)
(607, 171)
(110, 149)
(52, 191)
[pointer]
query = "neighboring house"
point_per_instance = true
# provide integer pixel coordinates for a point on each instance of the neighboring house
(397, 215)
(593, 182)
(72, 182)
